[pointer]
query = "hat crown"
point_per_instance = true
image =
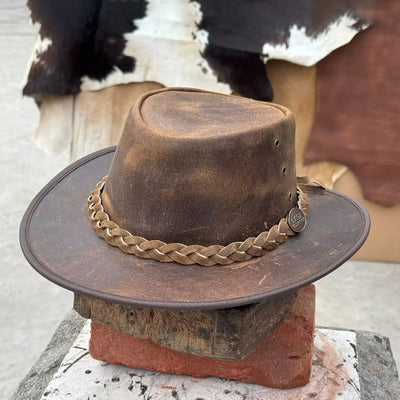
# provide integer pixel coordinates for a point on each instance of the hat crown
(201, 115)
(202, 168)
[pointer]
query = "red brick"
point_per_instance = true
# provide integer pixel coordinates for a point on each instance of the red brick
(283, 360)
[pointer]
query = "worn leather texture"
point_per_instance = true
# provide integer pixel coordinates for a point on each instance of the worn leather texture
(358, 107)
(217, 169)
(58, 241)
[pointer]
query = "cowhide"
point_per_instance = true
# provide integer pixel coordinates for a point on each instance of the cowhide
(217, 45)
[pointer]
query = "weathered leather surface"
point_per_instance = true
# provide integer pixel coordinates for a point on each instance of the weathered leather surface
(358, 107)
(204, 172)
(59, 242)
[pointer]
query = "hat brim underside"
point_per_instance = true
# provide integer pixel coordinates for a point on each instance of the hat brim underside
(59, 242)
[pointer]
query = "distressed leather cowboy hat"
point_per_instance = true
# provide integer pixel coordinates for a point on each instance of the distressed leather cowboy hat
(197, 207)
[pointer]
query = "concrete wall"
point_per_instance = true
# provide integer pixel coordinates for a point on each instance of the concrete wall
(30, 307)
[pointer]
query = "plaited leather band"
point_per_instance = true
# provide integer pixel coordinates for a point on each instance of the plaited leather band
(187, 254)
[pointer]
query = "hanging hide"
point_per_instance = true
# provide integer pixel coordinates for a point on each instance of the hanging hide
(358, 115)
(215, 45)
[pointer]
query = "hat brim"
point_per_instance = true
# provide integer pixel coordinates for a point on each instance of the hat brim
(59, 242)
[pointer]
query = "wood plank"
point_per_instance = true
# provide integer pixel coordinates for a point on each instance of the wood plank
(230, 333)
(54, 133)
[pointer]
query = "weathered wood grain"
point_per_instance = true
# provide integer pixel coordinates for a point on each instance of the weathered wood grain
(54, 132)
(230, 333)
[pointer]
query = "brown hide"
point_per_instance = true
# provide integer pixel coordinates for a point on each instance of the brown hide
(358, 108)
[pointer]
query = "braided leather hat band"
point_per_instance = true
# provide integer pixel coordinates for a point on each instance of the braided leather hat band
(189, 254)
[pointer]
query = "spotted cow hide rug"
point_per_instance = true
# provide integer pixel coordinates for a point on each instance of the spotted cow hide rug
(217, 45)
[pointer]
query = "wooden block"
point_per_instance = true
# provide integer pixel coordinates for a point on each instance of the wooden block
(54, 132)
(230, 333)
(283, 360)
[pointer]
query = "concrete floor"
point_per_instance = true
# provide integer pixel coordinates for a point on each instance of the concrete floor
(357, 296)
(363, 296)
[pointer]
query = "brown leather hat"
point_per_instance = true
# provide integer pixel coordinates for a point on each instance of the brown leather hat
(200, 209)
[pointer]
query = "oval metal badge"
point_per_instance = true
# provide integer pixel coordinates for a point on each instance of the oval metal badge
(296, 220)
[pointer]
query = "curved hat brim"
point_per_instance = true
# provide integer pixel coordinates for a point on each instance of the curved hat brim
(59, 242)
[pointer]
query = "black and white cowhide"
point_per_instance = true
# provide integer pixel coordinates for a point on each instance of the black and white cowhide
(219, 45)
